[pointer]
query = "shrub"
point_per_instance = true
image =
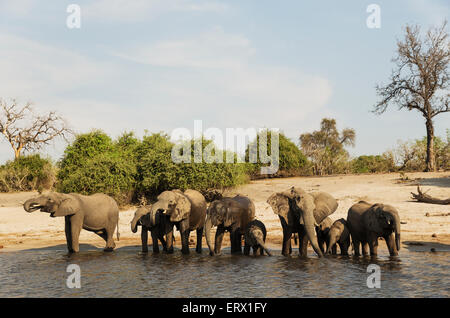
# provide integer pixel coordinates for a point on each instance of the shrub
(27, 173)
(157, 171)
(94, 163)
(372, 164)
(291, 159)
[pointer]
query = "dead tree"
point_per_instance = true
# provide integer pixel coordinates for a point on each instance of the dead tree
(420, 80)
(26, 131)
(423, 197)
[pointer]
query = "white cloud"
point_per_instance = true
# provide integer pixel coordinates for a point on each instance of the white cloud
(216, 77)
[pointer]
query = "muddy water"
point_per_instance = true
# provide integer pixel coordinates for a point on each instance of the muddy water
(127, 273)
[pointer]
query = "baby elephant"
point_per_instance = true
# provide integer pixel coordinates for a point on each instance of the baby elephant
(322, 232)
(158, 227)
(255, 237)
(338, 234)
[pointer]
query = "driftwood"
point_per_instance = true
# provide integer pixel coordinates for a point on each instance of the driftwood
(423, 197)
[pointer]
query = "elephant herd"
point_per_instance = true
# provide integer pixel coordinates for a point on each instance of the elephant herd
(302, 214)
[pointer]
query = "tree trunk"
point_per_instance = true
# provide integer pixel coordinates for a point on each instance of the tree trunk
(430, 161)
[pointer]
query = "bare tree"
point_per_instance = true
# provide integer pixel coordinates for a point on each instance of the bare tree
(420, 79)
(26, 131)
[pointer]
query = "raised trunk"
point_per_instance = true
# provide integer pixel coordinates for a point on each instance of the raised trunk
(207, 231)
(430, 161)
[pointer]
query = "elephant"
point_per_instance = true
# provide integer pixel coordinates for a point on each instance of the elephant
(367, 222)
(338, 234)
(299, 212)
(322, 231)
(232, 215)
(96, 213)
(186, 210)
(161, 227)
(255, 238)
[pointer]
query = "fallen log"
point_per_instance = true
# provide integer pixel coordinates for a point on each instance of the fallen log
(423, 197)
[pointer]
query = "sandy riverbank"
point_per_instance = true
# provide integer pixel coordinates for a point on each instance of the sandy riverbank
(20, 230)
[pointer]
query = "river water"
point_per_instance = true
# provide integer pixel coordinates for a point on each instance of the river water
(127, 273)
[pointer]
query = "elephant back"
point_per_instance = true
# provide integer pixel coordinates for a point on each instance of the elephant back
(325, 205)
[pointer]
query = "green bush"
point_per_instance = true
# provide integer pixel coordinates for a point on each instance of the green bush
(372, 164)
(158, 172)
(129, 168)
(94, 163)
(27, 173)
(291, 159)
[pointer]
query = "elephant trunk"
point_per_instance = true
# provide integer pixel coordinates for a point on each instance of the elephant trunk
(397, 233)
(261, 243)
(134, 224)
(32, 205)
(331, 243)
(207, 231)
(155, 208)
(309, 223)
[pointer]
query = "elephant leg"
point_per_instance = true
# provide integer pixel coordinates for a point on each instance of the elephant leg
(365, 248)
(68, 231)
(334, 249)
(110, 245)
(155, 235)
(373, 244)
(287, 234)
(162, 240)
(247, 249)
(260, 250)
(198, 249)
(390, 242)
(144, 239)
(356, 244)
(185, 241)
(76, 224)
(169, 237)
(233, 240)
(303, 243)
(237, 242)
(218, 239)
(344, 246)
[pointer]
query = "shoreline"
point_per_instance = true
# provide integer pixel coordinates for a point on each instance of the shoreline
(20, 230)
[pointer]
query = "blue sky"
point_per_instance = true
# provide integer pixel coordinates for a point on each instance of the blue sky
(158, 65)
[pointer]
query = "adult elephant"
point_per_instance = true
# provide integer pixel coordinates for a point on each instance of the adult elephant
(96, 213)
(299, 212)
(161, 227)
(367, 222)
(186, 210)
(232, 215)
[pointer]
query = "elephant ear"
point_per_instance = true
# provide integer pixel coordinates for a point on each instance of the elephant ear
(182, 208)
(280, 205)
(68, 206)
(231, 215)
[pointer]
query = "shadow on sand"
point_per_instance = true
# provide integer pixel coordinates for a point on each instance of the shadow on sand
(421, 246)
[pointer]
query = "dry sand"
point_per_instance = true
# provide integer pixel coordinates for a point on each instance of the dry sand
(20, 230)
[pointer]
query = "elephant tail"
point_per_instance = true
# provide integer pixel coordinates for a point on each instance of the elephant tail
(118, 234)
(296, 238)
